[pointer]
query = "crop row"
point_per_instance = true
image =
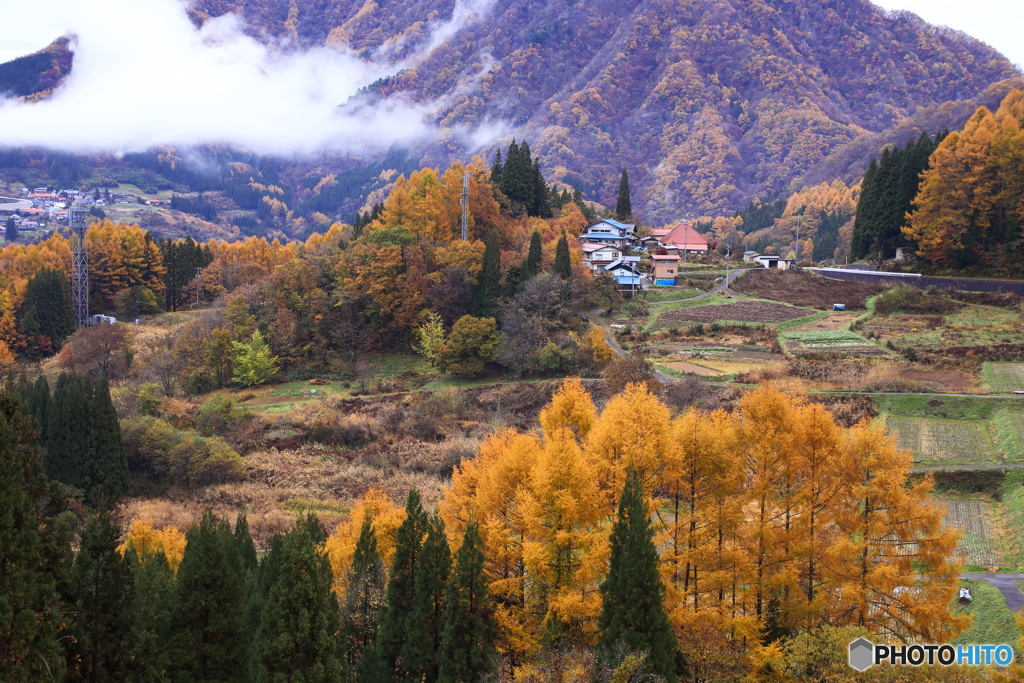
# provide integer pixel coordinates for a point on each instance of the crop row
(823, 336)
(945, 440)
(1004, 377)
(970, 518)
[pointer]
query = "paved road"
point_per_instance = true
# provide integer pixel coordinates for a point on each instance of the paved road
(1006, 585)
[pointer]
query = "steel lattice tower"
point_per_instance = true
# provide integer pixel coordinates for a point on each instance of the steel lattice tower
(78, 219)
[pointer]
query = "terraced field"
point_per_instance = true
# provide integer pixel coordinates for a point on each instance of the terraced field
(971, 519)
(956, 441)
(1003, 378)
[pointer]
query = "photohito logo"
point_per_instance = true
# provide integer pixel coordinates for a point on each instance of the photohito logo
(864, 654)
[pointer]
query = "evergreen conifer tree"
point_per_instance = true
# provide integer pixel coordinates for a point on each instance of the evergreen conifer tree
(47, 310)
(423, 642)
(154, 607)
(69, 440)
(488, 286)
(297, 637)
(363, 600)
(496, 169)
(244, 546)
(11, 229)
(394, 620)
(210, 590)
(108, 471)
(30, 610)
(632, 613)
(467, 639)
(532, 263)
(623, 204)
(563, 264)
(541, 196)
(99, 600)
(39, 403)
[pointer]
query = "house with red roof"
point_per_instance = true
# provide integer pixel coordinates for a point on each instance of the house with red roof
(685, 239)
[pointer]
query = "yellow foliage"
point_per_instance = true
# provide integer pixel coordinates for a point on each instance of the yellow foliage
(147, 541)
(340, 546)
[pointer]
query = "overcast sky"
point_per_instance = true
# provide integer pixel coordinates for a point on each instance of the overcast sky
(1000, 23)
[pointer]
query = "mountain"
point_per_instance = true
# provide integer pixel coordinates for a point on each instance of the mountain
(35, 76)
(706, 102)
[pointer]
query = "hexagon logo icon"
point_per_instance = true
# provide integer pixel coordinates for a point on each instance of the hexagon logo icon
(862, 654)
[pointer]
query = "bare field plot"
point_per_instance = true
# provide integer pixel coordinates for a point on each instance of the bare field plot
(942, 440)
(971, 519)
(1003, 378)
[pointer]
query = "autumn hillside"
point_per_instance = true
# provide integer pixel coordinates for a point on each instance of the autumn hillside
(707, 103)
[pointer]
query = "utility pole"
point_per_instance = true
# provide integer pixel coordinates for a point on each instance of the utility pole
(464, 203)
(798, 219)
(199, 271)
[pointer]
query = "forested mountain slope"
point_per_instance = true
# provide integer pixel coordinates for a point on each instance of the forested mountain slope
(707, 102)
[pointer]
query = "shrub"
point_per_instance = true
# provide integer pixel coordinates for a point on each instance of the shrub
(156, 447)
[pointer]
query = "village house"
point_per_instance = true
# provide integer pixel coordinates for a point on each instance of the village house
(609, 231)
(685, 239)
(596, 256)
(664, 269)
(625, 274)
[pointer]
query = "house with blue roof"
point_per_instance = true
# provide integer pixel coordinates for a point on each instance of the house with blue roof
(609, 231)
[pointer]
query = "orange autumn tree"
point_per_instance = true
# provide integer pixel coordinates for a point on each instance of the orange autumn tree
(340, 546)
(146, 541)
(771, 516)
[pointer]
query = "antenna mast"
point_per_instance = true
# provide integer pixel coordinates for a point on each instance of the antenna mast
(78, 219)
(464, 203)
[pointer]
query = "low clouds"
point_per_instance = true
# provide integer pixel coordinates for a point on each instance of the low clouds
(144, 75)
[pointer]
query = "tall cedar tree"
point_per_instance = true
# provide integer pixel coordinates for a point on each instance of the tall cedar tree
(395, 616)
(563, 264)
(887, 194)
(181, 258)
(47, 310)
(11, 229)
(109, 473)
(467, 641)
(99, 602)
(69, 431)
(496, 169)
(30, 610)
(419, 657)
(244, 546)
(153, 612)
(363, 600)
(488, 286)
(83, 440)
(632, 612)
(532, 263)
(623, 204)
(297, 637)
(210, 588)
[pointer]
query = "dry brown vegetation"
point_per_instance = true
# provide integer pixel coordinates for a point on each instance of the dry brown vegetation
(804, 288)
(743, 311)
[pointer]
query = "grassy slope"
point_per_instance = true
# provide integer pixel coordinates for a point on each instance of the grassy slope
(993, 621)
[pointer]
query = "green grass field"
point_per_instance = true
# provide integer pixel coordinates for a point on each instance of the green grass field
(994, 622)
(1003, 378)
(951, 407)
(932, 440)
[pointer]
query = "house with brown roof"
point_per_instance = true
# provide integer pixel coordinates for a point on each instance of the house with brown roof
(685, 239)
